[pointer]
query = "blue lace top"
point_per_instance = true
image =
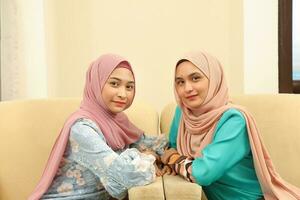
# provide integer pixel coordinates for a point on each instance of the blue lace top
(90, 169)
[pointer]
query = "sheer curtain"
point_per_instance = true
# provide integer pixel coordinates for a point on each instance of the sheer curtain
(23, 51)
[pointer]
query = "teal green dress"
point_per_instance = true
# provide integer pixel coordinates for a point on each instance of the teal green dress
(225, 170)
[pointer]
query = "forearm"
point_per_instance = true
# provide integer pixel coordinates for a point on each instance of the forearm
(117, 173)
(156, 144)
(180, 164)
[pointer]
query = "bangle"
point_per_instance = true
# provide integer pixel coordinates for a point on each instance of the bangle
(166, 157)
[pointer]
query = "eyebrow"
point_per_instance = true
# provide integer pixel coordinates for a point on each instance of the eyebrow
(192, 74)
(118, 79)
(178, 78)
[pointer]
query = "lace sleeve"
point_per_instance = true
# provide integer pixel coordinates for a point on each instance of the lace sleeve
(116, 172)
(154, 143)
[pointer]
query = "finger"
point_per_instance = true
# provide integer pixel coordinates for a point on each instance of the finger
(168, 171)
(164, 170)
(173, 173)
(159, 172)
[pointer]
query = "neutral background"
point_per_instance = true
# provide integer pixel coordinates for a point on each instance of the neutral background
(48, 45)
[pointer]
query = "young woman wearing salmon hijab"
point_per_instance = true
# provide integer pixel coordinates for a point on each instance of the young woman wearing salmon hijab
(216, 143)
(91, 158)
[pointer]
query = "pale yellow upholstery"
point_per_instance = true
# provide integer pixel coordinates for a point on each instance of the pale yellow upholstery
(278, 121)
(176, 188)
(28, 130)
(149, 192)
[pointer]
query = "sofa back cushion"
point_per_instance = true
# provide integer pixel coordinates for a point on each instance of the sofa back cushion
(28, 130)
(278, 121)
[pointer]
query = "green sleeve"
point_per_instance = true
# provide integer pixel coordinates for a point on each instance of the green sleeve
(229, 146)
(174, 128)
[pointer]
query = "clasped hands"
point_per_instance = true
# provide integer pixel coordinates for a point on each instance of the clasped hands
(165, 164)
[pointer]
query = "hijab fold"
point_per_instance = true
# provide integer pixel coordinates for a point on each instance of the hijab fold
(118, 131)
(196, 132)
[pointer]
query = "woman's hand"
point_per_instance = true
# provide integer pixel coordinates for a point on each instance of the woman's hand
(167, 169)
(169, 155)
(160, 168)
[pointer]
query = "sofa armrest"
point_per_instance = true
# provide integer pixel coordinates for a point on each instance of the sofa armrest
(176, 188)
(152, 191)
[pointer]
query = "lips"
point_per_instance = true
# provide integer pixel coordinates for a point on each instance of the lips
(191, 96)
(120, 103)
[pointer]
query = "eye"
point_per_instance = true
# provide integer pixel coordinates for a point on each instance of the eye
(114, 83)
(130, 87)
(179, 82)
(195, 78)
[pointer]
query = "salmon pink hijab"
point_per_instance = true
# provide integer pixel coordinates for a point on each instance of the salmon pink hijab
(118, 131)
(195, 132)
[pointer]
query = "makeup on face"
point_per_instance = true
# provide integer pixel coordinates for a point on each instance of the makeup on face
(191, 84)
(118, 91)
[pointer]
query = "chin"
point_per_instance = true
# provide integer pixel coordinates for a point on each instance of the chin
(117, 110)
(193, 105)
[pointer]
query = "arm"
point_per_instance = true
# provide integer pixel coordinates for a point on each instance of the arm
(229, 146)
(157, 144)
(153, 145)
(174, 128)
(116, 172)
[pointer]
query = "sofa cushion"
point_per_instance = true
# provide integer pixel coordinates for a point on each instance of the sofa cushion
(28, 130)
(278, 121)
(176, 188)
(149, 192)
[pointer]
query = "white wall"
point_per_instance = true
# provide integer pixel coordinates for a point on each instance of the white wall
(260, 46)
(151, 34)
(66, 35)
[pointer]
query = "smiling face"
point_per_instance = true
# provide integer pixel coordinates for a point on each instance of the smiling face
(191, 85)
(119, 89)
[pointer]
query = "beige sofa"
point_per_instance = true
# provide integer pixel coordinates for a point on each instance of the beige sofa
(28, 130)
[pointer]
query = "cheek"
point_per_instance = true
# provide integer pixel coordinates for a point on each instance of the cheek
(179, 92)
(181, 95)
(206, 85)
(130, 96)
(107, 93)
(105, 98)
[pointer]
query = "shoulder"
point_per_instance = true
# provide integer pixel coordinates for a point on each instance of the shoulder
(177, 114)
(178, 110)
(233, 115)
(84, 126)
(83, 122)
(232, 124)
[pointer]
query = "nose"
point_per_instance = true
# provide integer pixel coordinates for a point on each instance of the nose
(188, 87)
(121, 93)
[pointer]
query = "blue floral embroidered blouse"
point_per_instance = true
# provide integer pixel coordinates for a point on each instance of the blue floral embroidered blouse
(91, 170)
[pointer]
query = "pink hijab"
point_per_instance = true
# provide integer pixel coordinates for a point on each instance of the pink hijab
(197, 132)
(116, 128)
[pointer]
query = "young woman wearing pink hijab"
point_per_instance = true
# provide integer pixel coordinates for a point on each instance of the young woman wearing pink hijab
(90, 158)
(216, 143)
